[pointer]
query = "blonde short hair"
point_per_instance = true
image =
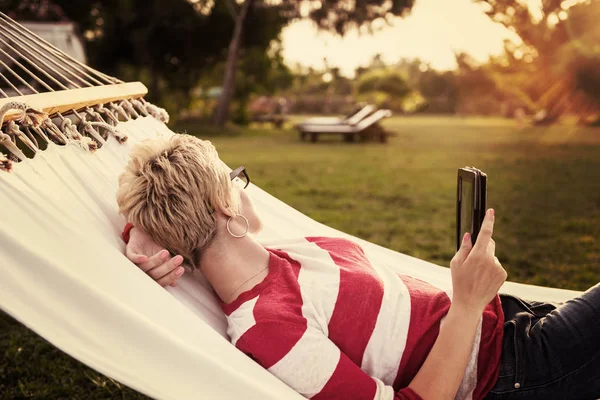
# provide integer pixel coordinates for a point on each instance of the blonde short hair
(171, 188)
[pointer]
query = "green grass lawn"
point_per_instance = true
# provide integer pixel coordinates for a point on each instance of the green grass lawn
(544, 184)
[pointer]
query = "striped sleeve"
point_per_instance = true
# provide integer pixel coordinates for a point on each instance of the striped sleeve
(312, 364)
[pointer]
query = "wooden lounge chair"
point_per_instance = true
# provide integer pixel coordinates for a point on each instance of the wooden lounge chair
(352, 119)
(366, 129)
(276, 119)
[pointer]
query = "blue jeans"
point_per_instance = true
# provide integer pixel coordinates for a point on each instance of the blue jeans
(550, 351)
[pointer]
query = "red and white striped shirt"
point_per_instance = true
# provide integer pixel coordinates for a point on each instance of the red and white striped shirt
(334, 326)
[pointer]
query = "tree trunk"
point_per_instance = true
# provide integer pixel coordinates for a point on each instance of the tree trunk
(221, 114)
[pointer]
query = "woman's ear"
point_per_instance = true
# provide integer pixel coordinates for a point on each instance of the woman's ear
(226, 212)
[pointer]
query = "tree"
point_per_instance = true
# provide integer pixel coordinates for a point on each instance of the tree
(170, 45)
(440, 91)
(558, 63)
(478, 91)
(333, 15)
(221, 112)
(384, 86)
(340, 15)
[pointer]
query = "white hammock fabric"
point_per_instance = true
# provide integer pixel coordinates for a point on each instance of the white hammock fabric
(64, 275)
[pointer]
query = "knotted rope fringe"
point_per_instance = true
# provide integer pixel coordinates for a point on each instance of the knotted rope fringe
(128, 107)
(72, 133)
(113, 120)
(121, 138)
(90, 128)
(119, 110)
(55, 131)
(5, 163)
(32, 120)
(13, 129)
(140, 107)
(31, 137)
(159, 113)
(27, 116)
(5, 140)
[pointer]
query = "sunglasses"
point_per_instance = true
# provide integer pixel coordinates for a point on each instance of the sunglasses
(242, 176)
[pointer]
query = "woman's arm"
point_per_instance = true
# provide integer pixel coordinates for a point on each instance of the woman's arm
(441, 374)
(476, 278)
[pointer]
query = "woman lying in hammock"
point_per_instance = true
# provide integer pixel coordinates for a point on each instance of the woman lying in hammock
(318, 315)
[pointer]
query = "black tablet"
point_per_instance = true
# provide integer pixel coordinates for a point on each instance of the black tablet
(471, 201)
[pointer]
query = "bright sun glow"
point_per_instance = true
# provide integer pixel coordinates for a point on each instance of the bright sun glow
(434, 31)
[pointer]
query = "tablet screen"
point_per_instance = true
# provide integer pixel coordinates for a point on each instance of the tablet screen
(466, 208)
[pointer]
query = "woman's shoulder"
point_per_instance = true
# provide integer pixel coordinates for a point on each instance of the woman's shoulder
(322, 249)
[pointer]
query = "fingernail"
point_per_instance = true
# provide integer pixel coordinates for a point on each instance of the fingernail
(466, 237)
(178, 260)
(179, 271)
(491, 212)
(164, 254)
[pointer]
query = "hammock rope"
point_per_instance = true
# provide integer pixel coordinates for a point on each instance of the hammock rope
(55, 132)
(25, 69)
(119, 111)
(157, 112)
(27, 117)
(13, 87)
(140, 107)
(129, 108)
(13, 129)
(31, 137)
(7, 142)
(61, 57)
(73, 134)
(24, 44)
(111, 118)
(30, 65)
(5, 163)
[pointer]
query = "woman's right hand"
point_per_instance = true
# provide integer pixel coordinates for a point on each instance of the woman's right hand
(153, 259)
(476, 272)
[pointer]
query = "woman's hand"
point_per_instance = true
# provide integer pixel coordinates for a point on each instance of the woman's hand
(476, 272)
(152, 259)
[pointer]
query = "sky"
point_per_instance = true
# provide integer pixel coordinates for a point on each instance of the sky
(433, 31)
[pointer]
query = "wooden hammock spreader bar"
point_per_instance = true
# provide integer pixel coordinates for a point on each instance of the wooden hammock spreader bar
(74, 99)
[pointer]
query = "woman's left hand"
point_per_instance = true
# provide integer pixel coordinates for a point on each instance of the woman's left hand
(152, 259)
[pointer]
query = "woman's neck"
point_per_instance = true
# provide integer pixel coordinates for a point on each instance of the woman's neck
(234, 265)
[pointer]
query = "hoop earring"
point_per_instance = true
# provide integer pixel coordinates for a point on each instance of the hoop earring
(247, 226)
